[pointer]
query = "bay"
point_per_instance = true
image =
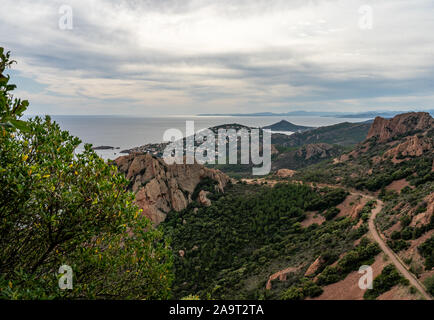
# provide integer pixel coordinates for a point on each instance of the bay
(125, 132)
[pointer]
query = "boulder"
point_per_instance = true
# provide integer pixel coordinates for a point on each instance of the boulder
(203, 200)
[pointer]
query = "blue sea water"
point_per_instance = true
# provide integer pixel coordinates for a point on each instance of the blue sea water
(126, 132)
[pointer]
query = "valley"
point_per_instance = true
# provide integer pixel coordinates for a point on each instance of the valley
(251, 238)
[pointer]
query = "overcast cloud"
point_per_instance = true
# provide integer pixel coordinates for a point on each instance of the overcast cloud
(184, 57)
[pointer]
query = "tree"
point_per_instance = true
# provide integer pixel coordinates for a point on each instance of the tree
(61, 208)
(429, 284)
(10, 108)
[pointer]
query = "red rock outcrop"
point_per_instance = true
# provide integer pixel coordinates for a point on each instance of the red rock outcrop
(202, 198)
(403, 124)
(161, 188)
(313, 268)
(424, 218)
(285, 173)
(413, 146)
(281, 275)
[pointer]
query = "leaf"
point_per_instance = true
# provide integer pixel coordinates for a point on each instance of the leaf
(22, 107)
(20, 125)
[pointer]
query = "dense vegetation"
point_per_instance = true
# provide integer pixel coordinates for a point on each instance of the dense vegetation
(229, 249)
(306, 288)
(61, 208)
(363, 254)
(343, 134)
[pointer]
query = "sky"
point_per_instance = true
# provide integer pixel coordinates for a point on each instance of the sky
(182, 57)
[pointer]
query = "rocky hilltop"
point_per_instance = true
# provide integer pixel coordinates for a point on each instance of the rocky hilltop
(161, 188)
(401, 125)
(401, 138)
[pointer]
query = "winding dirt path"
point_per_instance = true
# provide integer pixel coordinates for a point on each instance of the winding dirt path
(392, 256)
(375, 234)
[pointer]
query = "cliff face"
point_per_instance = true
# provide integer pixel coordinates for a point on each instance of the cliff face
(400, 125)
(412, 146)
(403, 137)
(161, 188)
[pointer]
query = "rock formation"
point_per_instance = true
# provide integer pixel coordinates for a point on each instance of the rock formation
(321, 150)
(413, 146)
(406, 135)
(285, 173)
(313, 268)
(281, 275)
(424, 218)
(202, 198)
(161, 188)
(400, 125)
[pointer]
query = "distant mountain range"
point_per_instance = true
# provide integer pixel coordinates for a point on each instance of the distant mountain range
(369, 114)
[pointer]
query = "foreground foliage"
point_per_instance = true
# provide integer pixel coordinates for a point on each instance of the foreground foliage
(61, 208)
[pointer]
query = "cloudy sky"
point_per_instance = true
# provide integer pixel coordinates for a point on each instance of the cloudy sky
(156, 57)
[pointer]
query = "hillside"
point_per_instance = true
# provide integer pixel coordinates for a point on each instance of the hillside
(394, 149)
(279, 238)
(229, 249)
(306, 155)
(396, 163)
(344, 134)
(303, 149)
(289, 241)
(286, 126)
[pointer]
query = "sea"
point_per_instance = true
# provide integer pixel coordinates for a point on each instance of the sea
(126, 132)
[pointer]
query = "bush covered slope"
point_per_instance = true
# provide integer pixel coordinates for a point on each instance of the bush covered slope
(228, 250)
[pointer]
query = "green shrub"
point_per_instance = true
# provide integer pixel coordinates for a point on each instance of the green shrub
(61, 208)
(306, 288)
(426, 250)
(331, 213)
(429, 284)
(398, 245)
(405, 221)
(388, 278)
(362, 254)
